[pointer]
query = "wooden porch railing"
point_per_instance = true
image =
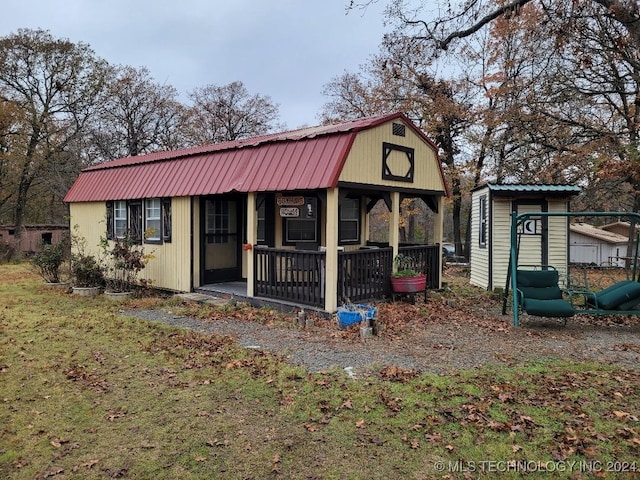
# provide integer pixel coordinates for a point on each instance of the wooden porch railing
(427, 261)
(299, 276)
(364, 274)
(291, 275)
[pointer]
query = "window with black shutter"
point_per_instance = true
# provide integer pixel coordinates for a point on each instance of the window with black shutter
(483, 222)
(109, 221)
(135, 221)
(166, 219)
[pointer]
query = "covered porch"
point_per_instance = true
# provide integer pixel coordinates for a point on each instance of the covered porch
(298, 277)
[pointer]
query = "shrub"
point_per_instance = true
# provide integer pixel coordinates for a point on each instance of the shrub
(48, 261)
(124, 259)
(86, 269)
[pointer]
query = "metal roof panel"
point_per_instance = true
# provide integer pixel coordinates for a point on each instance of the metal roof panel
(536, 188)
(307, 158)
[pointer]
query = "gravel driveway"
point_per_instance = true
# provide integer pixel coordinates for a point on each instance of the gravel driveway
(430, 346)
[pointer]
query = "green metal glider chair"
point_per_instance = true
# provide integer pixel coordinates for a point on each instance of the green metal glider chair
(623, 296)
(539, 294)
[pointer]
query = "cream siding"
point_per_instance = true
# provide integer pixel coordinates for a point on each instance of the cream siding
(169, 267)
(364, 162)
(88, 224)
(479, 274)
(530, 252)
(500, 241)
(558, 238)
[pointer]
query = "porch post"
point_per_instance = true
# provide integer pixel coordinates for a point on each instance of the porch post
(331, 260)
(394, 225)
(366, 224)
(252, 239)
(438, 229)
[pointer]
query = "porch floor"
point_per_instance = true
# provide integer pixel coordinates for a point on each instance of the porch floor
(238, 290)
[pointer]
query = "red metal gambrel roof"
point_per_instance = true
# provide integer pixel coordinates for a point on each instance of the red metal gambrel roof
(307, 158)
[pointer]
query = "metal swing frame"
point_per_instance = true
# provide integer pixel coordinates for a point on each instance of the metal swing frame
(517, 223)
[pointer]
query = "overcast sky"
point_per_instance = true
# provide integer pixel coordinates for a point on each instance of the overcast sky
(285, 49)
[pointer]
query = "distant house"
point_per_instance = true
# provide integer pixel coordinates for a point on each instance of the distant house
(621, 228)
(544, 241)
(32, 237)
(590, 245)
(282, 216)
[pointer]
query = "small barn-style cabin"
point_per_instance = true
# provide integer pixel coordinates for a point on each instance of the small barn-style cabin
(286, 213)
(543, 241)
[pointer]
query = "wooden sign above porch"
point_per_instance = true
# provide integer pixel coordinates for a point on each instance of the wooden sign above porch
(289, 212)
(290, 201)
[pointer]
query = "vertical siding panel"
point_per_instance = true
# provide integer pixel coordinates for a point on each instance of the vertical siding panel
(87, 220)
(558, 238)
(501, 246)
(170, 266)
(479, 274)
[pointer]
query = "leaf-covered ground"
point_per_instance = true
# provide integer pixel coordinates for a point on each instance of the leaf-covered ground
(460, 327)
(90, 391)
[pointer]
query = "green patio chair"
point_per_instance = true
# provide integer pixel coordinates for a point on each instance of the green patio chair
(539, 294)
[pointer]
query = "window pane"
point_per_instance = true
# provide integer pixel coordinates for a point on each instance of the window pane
(349, 230)
(152, 225)
(300, 230)
(350, 209)
(304, 228)
(166, 219)
(483, 221)
(218, 224)
(120, 218)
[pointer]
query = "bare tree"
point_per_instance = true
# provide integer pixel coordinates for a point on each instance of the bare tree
(460, 19)
(226, 113)
(137, 116)
(54, 84)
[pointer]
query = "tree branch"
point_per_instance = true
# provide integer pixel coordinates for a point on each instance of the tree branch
(510, 7)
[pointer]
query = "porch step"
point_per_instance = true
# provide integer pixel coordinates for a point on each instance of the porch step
(202, 298)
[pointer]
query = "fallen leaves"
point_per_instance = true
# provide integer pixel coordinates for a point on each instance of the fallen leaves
(276, 464)
(397, 374)
(79, 373)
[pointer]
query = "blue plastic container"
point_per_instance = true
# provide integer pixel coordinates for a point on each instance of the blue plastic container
(354, 313)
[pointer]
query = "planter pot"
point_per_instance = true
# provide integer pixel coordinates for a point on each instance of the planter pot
(409, 284)
(87, 291)
(354, 313)
(118, 296)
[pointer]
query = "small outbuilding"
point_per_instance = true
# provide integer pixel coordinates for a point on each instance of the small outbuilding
(543, 240)
(283, 216)
(33, 237)
(590, 245)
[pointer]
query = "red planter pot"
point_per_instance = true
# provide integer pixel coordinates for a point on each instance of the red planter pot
(409, 284)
